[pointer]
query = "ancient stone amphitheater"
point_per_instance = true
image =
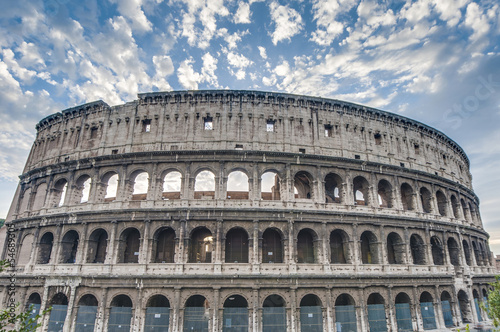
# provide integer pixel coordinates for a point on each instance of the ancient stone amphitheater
(246, 211)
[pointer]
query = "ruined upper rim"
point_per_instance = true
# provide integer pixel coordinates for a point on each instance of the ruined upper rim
(229, 96)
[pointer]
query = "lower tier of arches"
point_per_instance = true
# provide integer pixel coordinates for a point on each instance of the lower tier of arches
(253, 304)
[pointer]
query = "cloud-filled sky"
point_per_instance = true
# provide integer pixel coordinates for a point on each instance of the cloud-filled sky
(436, 61)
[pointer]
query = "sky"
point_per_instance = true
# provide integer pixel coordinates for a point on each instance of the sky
(435, 61)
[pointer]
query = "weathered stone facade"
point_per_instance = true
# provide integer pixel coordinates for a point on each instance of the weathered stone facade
(370, 214)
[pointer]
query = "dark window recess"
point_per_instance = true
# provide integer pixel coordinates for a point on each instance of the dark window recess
(328, 131)
(208, 123)
(114, 151)
(417, 148)
(174, 147)
(402, 164)
(357, 156)
(270, 125)
(146, 126)
(378, 139)
(93, 132)
(302, 150)
(239, 147)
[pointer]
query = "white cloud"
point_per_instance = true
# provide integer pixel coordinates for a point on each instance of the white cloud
(163, 65)
(287, 21)
(450, 10)
(186, 75)
(240, 62)
(132, 10)
(477, 21)
(231, 39)
(262, 51)
(243, 13)
(325, 14)
(208, 70)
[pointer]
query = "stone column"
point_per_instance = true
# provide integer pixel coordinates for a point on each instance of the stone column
(144, 256)
(81, 253)
(112, 250)
(255, 261)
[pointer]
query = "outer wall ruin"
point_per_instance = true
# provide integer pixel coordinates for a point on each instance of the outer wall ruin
(351, 218)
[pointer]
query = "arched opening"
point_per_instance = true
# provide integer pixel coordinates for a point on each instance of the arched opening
(69, 247)
(272, 246)
(59, 304)
(302, 183)
(39, 201)
(237, 185)
(204, 185)
(196, 314)
(333, 186)
(446, 309)
(164, 246)
(86, 313)
(361, 189)
(426, 200)
(270, 186)
(376, 313)
(200, 250)
(236, 246)
(82, 190)
(172, 186)
(339, 247)
(472, 212)
(157, 314)
(403, 312)
(235, 314)
(465, 310)
(437, 251)
(130, 241)
(23, 207)
(97, 246)
(395, 249)
(140, 186)
(464, 209)
(486, 304)
(482, 254)
(111, 186)
(369, 248)
(120, 314)
(475, 295)
(427, 311)
(417, 249)
(476, 253)
(33, 306)
(455, 206)
(311, 314)
(407, 197)
(306, 252)
(385, 199)
(273, 314)
(454, 251)
(59, 192)
(345, 313)
(468, 261)
(442, 203)
(25, 252)
(45, 248)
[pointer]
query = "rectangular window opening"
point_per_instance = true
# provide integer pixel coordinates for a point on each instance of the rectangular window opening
(302, 150)
(417, 148)
(209, 125)
(270, 126)
(378, 139)
(238, 147)
(93, 133)
(114, 151)
(146, 126)
(328, 131)
(357, 156)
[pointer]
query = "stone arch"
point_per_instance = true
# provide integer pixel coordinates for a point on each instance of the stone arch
(120, 313)
(477, 254)
(454, 251)
(196, 313)
(464, 209)
(110, 186)
(270, 189)
(163, 246)
(369, 248)
(59, 304)
(417, 247)
(59, 192)
(130, 243)
(157, 313)
(311, 315)
(446, 301)
(69, 247)
(235, 313)
(426, 200)
(466, 248)
(201, 246)
(274, 314)
(333, 188)
(376, 312)
(81, 191)
(24, 206)
(41, 193)
(172, 185)
(45, 248)
(345, 312)
(303, 184)
(139, 180)
(238, 185)
(427, 311)
(395, 249)
(307, 251)
(403, 312)
(361, 190)
(455, 206)
(25, 252)
(204, 185)
(236, 246)
(385, 197)
(272, 246)
(339, 247)
(464, 305)
(437, 251)
(407, 197)
(97, 246)
(86, 313)
(442, 203)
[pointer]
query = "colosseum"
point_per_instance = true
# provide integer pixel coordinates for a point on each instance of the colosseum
(246, 211)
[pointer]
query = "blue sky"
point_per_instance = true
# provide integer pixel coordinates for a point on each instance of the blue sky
(437, 61)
